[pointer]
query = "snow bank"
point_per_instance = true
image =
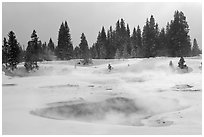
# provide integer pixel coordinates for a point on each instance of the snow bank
(139, 96)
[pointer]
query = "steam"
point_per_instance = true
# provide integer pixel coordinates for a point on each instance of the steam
(117, 110)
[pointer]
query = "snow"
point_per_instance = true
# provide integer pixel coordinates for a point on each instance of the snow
(139, 96)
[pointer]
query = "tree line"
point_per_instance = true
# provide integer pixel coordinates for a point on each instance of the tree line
(173, 41)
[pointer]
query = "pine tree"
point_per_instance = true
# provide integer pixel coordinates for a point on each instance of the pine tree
(128, 31)
(117, 37)
(123, 31)
(60, 47)
(5, 49)
(139, 48)
(45, 55)
(168, 45)
(51, 45)
(157, 32)
(128, 40)
(179, 41)
(150, 35)
(84, 49)
(146, 40)
(134, 38)
(124, 39)
(64, 50)
(69, 46)
(195, 50)
(110, 44)
(94, 53)
(101, 44)
(32, 52)
(162, 44)
(134, 43)
(125, 52)
(77, 53)
(117, 29)
(40, 52)
(153, 36)
(13, 51)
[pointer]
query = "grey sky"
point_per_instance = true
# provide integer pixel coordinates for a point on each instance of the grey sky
(88, 18)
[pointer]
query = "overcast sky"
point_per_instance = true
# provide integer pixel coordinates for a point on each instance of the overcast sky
(88, 18)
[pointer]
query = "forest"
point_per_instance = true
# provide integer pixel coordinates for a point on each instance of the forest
(173, 40)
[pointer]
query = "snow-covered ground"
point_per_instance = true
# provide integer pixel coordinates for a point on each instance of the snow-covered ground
(139, 96)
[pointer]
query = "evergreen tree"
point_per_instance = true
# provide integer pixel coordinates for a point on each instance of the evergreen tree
(60, 47)
(84, 49)
(157, 33)
(44, 47)
(150, 35)
(110, 44)
(94, 53)
(13, 51)
(45, 52)
(117, 38)
(128, 31)
(139, 48)
(128, 41)
(172, 41)
(134, 38)
(64, 50)
(146, 40)
(153, 36)
(125, 52)
(40, 50)
(5, 49)
(162, 44)
(124, 39)
(69, 46)
(32, 52)
(179, 40)
(77, 53)
(117, 29)
(195, 50)
(133, 43)
(101, 44)
(51, 45)
(168, 46)
(123, 31)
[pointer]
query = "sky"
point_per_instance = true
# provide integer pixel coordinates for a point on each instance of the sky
(89, 17)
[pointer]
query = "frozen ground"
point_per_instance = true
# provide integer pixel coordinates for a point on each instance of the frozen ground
(139, 96)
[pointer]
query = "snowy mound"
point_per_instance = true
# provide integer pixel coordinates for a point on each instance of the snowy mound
(44, 69)
(185, 70)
